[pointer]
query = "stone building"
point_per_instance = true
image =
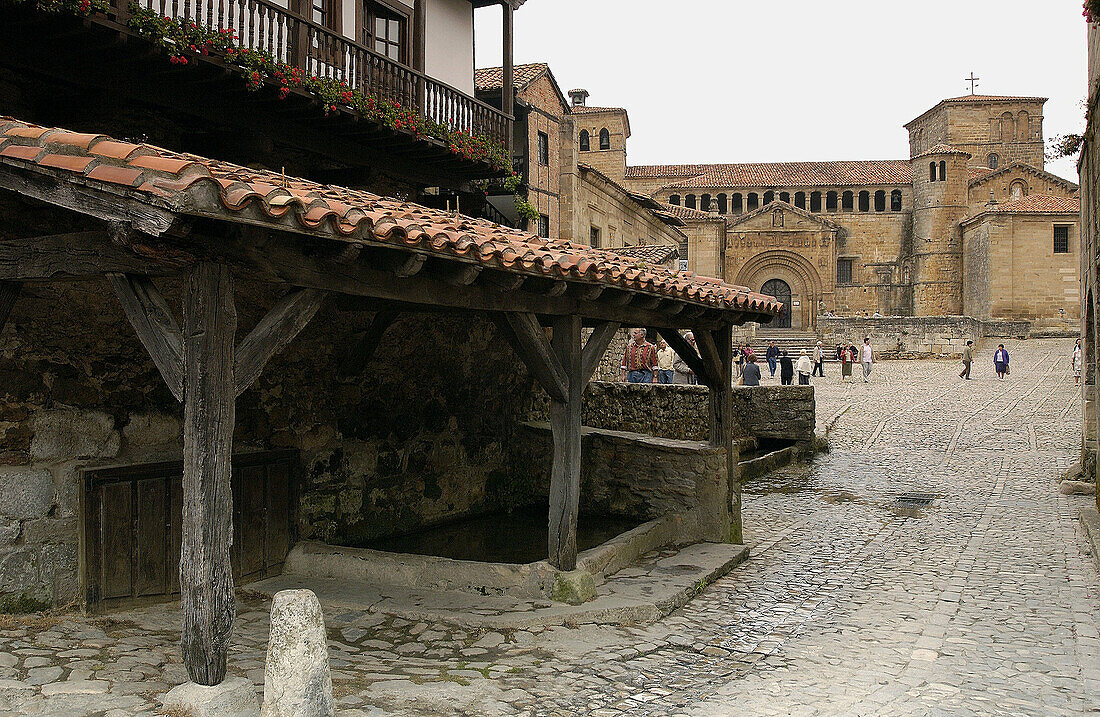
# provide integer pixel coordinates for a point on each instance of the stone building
(1088, 166)
(571, 170)
(963, 225)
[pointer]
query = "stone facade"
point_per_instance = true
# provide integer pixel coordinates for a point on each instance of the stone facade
(897, 245)
(1089, 168)
(917, 336)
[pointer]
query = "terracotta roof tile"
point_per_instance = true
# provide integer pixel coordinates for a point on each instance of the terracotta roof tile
(186, 184)
(654, 254)
(685, 212)
(492, 78)
(1038, 204)
(993, 98)
(796, 174)
(585, 109)
(941, 149)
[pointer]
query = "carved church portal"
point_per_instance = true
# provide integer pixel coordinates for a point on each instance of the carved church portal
(781, 290)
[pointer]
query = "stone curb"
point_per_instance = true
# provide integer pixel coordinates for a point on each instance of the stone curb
(1090, 522)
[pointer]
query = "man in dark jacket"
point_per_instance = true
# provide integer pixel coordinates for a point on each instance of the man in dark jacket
(786, 369)
(750, 376)
(773, 357)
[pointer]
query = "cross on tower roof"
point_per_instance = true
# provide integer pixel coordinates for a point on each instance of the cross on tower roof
(973, 82)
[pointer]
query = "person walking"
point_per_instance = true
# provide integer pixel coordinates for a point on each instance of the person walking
(751, 375)
(1076, 362)
(786, 369)
(968, 357)
(684, 374)
(805, 368)
(1000, 360)
(847, 358)
(819, 361)
(772, 355)
(665, 358)
(867, 358)
(639, 359)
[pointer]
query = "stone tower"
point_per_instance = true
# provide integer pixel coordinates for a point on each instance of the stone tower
(940, 191)
(606, 129)
(995, 130)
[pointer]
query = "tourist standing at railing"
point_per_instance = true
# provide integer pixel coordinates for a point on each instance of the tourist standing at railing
(804, 368)
(665, 358)
(639, 359)
(786, 369)
(684, 374)
(772, 355)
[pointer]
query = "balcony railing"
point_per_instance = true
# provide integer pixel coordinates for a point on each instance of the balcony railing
(300, 42)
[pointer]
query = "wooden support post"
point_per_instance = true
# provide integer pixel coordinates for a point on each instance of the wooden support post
(206, 575)
(508, 87)
(716, 350)
(565, 425)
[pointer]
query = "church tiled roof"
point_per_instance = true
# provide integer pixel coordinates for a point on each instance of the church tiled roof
(653, 254)
(585, 109)
(671, 171)
(942, 149)
(800, 174)
(684, 212)
(1038, 204)
(994, 98)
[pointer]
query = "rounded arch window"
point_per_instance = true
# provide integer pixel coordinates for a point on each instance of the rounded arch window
(994, 160)
(586, 140)
(605, 139)
(1017, 190)
(674, 199)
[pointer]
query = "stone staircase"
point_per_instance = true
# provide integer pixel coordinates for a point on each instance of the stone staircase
(790, 341)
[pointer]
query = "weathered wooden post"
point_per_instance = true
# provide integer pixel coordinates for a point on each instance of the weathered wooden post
(565, 425)
(716, 350)
(209, 392)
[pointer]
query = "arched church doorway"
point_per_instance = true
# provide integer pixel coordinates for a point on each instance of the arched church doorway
(781, 290)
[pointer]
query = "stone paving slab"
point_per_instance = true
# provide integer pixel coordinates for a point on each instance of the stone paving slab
(983, 602)
(658, 584)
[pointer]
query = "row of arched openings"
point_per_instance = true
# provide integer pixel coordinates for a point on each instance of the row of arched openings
(586, 140)
(932, 171)
(833, 201)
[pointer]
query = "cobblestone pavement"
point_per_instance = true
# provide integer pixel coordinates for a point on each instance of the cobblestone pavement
(982, 602)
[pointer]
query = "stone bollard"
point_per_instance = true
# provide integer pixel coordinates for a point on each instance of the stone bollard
(296, 676)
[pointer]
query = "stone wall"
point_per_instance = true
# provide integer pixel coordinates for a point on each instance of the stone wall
(682, 412)
(422, 435)
(643, 477)
(917, 336)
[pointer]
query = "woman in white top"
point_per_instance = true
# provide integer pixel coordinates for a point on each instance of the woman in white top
(804, 367)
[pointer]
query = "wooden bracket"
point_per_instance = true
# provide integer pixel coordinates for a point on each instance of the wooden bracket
(526, 336)
(596, 347)
(356, 360)
(277, 329)
(687, 352)
(9, 292)
(155, 325)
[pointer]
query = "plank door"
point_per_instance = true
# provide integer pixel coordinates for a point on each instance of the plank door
(133, 517)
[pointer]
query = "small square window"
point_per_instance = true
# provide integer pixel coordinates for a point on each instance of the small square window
(594, 237)
(1061, 239)
(544, 148)
(544, 226)
(844, 271)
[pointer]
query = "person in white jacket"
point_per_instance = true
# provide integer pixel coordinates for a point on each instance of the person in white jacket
(804, 368)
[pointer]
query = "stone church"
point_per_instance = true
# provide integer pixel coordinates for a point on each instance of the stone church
(970, 224)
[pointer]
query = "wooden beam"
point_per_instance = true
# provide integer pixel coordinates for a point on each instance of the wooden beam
(565, 425)
(206, 574)
(508, 87)
(9, 292)
(278, 328)
(687, 352)
(526, 336)
(356, 360)
(154, 324)
(596, 347)
(83, 255)
(716, 348)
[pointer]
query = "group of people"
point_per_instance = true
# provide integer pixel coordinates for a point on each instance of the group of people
(644, 362)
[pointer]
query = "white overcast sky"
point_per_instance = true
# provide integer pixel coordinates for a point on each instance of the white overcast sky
(740, 81)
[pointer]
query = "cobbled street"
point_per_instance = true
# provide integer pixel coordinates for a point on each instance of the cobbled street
(981, 602)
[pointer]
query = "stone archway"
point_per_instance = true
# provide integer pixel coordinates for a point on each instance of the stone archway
(797, 273)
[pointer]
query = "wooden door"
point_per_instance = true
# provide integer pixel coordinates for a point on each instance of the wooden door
(132, 520)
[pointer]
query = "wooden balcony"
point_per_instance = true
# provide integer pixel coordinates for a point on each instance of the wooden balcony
(40, 43)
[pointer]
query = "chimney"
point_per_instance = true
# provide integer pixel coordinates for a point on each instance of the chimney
(992, 200)
(578, 97)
